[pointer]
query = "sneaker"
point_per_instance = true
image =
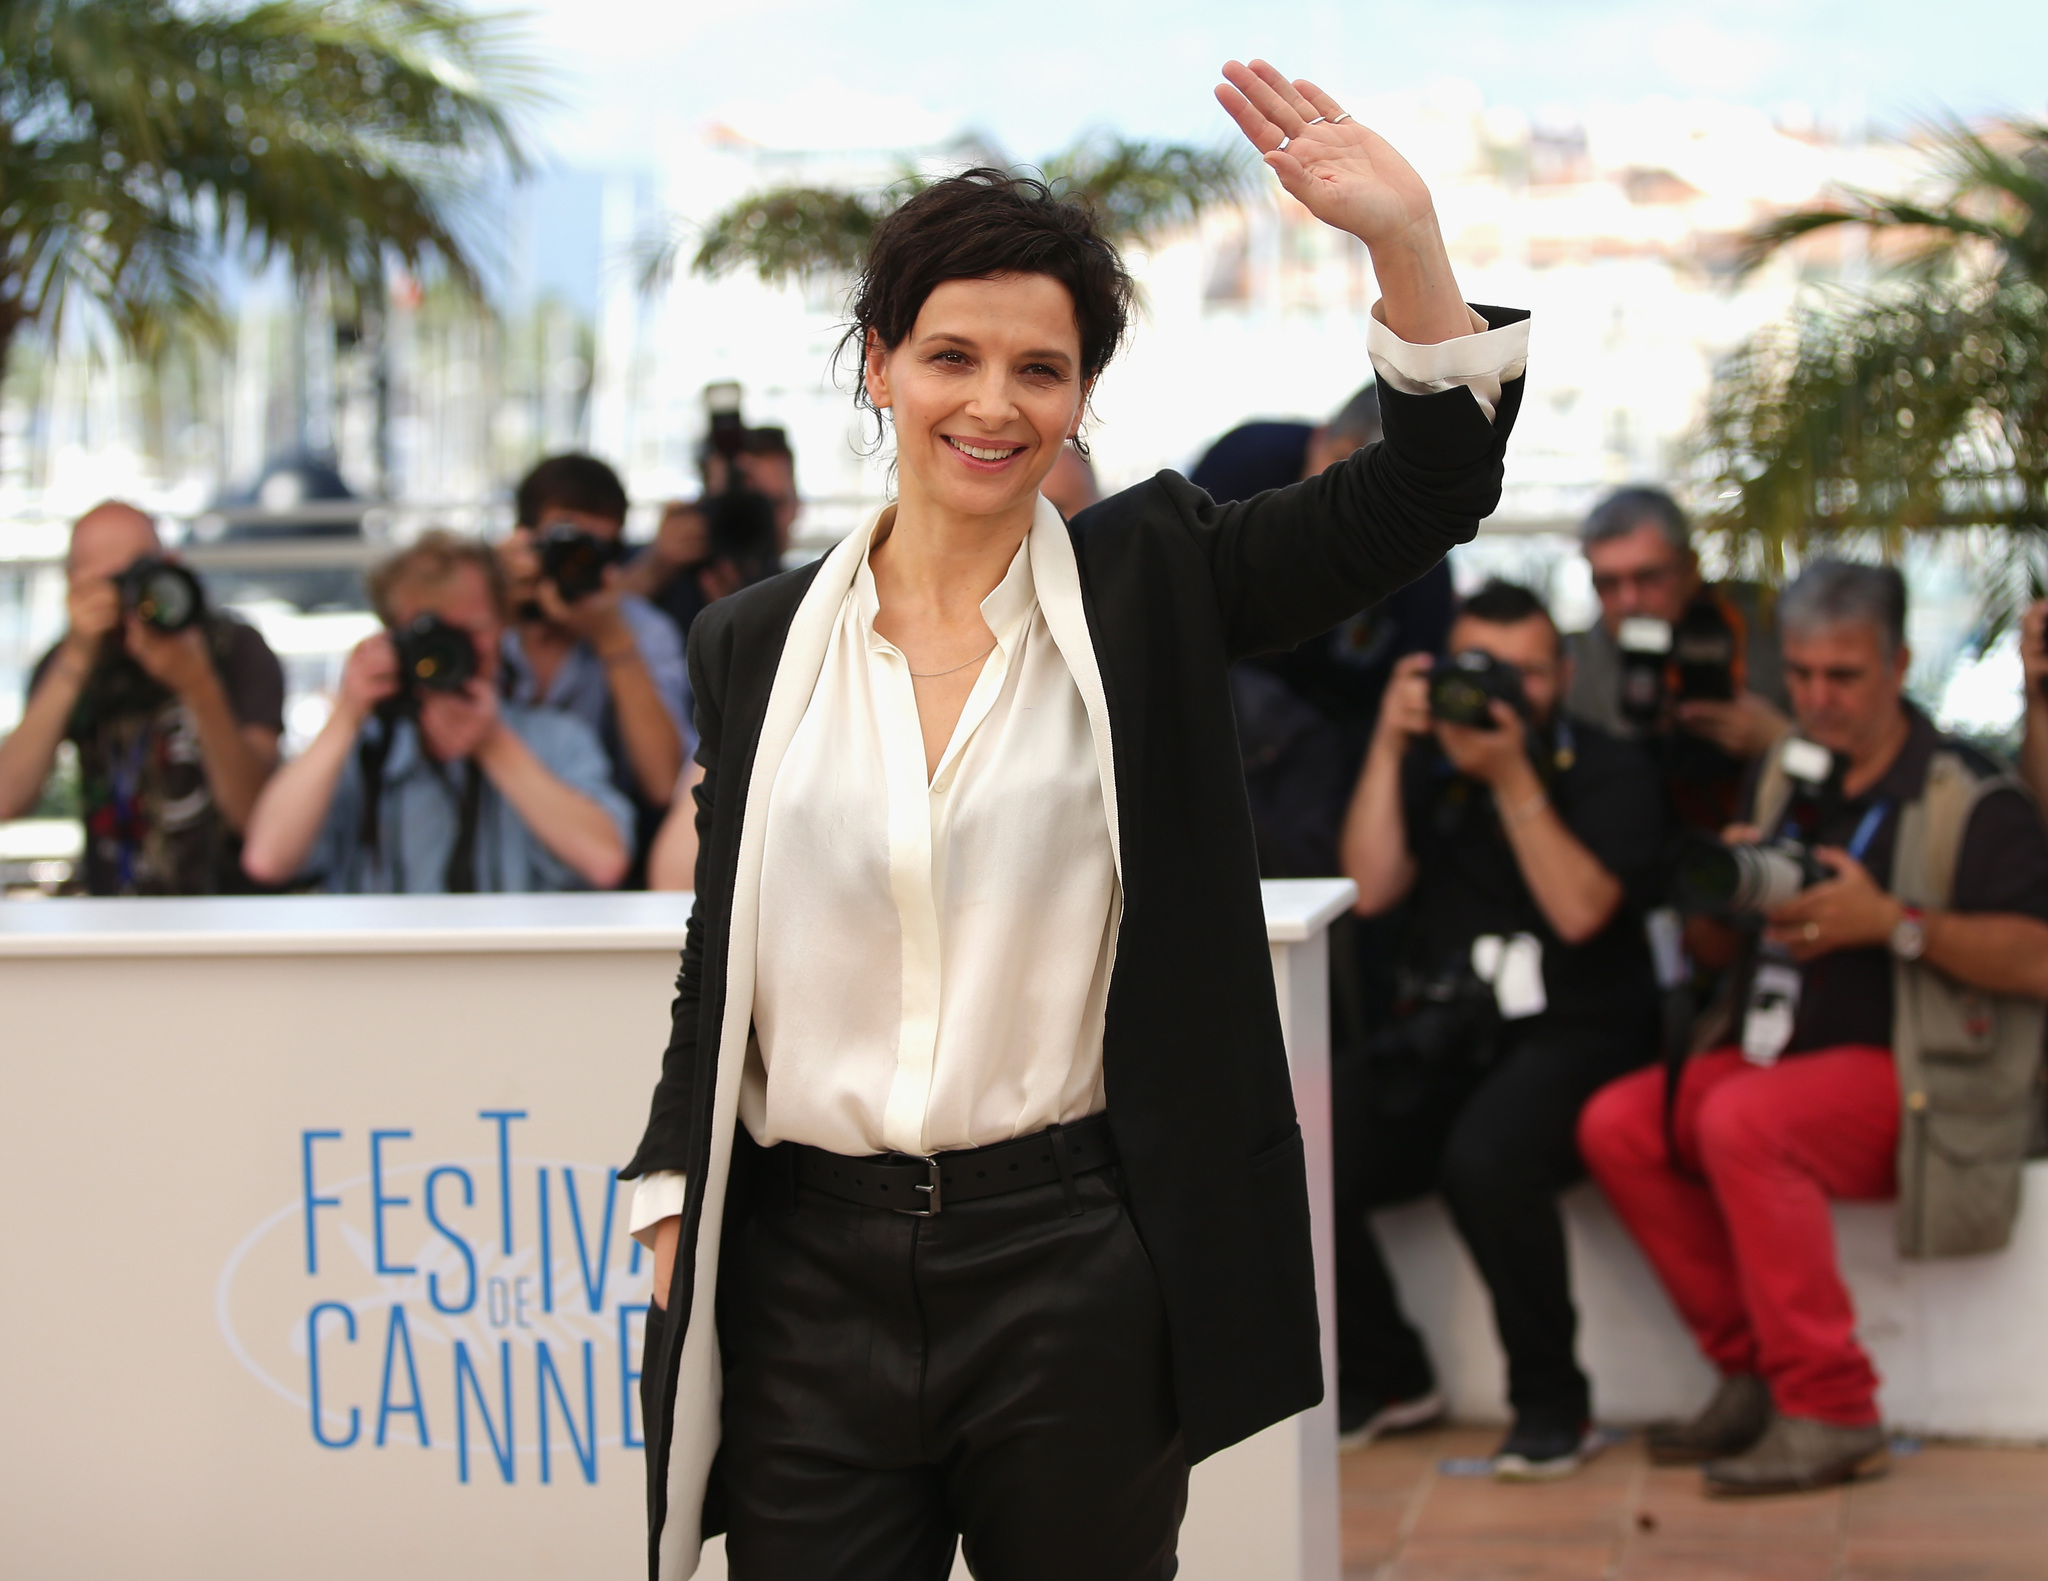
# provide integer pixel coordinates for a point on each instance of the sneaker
(1533, 1453)
(1359, 1426)
(1798, 1453)
(1731, 1422)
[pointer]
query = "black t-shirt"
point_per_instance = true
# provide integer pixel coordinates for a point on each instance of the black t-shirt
(151, 826)
(1845, 996)
(1468, 882)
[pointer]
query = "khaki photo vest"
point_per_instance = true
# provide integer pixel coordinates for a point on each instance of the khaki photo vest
(1966, 1058)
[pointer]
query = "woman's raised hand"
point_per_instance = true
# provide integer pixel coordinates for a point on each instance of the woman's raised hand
(1350, 177)
(1344, 173)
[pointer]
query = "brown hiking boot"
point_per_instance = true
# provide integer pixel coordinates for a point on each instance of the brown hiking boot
(1797, 1453)
(1733, 1420)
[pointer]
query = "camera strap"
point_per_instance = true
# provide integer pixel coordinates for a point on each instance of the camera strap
(1777, 982)
(461, 872)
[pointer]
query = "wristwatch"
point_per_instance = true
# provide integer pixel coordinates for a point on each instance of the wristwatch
(1909, 934)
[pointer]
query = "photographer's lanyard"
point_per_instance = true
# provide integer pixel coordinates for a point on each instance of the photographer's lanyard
(124, 789)
(1774, 989)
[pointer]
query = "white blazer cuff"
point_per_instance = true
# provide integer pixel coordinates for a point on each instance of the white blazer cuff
(1482, 361)
(655, 1197)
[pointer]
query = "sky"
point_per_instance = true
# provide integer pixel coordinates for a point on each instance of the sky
(633, 76)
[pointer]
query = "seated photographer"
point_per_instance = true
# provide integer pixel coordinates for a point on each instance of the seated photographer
(1526, 986)
(423, 781)
(1673, 662)
(733, 534)
(2034, 667)
(175, 709)
(582, 642)
(1890, 890)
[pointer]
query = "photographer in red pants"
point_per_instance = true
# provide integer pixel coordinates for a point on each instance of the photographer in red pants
(1928, 893)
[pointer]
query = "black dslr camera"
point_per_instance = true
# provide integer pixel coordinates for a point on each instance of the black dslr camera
(575, 560)
(433, 656)
(1754, 879)
(163, 593)
(1464, 686)
(1692, 661)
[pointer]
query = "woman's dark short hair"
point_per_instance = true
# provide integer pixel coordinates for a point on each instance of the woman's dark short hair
(980, 223)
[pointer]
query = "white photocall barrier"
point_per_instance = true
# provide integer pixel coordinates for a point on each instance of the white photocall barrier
(317, 1265)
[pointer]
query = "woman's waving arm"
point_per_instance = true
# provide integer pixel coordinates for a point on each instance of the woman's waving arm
(1293, 562)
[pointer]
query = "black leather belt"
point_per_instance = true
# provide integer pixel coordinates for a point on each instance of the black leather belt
(925, 1186)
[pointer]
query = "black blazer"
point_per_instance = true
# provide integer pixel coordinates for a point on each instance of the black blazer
(1175, 588)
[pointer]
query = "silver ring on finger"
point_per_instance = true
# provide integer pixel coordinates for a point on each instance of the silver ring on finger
(1283, 145)
(1318, 121)
(1341, 117)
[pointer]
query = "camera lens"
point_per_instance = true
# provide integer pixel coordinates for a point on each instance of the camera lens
(574, 561)
(164, 595)
(1735, 878)
(435, 656)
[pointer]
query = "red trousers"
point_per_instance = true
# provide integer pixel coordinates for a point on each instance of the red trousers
(1741, 1235)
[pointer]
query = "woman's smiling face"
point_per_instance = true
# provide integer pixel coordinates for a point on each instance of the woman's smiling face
(983, 391)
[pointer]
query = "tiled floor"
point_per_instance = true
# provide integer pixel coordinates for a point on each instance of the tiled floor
(1946, 1513)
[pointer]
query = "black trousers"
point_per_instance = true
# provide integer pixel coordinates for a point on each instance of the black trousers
(1496, 1138)
(998, 1373)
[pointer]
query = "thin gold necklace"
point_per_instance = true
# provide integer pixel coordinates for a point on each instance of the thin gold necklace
(932, 675)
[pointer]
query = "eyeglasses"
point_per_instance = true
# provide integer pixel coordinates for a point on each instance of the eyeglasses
(1650, 578)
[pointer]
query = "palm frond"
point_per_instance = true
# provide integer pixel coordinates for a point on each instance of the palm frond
(1145, 190)
(1141, 191)
(342, 137)
(788, 234)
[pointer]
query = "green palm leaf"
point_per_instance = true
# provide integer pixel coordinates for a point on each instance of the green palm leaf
(1142, 191)
(144, 139)
(1917, 405)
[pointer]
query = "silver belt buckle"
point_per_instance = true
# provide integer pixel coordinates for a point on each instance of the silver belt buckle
(932, 1202)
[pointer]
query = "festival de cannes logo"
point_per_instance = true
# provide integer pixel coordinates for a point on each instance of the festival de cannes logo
(488, 1306)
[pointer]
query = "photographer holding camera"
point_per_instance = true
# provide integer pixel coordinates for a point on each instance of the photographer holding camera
(423, 781)
(175, 709)
(1672, 662)
(2034, 667)
(1880, 1037)
(736, 531)
(1526, 986)
(582, 642)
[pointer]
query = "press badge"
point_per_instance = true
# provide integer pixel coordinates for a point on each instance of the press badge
(1773, 1006)
(1514, 969)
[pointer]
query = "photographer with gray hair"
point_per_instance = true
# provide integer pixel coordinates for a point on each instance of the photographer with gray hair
(1888, 896)
(1686, 668)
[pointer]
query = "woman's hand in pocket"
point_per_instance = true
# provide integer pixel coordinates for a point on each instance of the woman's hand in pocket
(666, 1233)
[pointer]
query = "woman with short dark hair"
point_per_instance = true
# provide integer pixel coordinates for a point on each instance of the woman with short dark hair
(973, 1176)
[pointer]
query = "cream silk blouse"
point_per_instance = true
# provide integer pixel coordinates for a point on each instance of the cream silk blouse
(934, 955)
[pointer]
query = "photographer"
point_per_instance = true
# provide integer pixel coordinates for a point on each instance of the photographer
(1912, 961)
(1673, 662)
(175, 709)
(422, 780)
(1526, 985)
(734, 533)
(2034, 666)
(582, 642)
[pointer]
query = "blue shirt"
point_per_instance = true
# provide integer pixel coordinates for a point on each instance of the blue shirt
(420, 809)
(579, 686)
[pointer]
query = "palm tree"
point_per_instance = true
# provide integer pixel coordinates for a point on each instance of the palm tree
(1141, 190)
(144, 141)
(1919, 403)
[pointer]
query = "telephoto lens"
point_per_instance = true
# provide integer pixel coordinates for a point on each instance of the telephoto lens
(1732, 880)
(163, 593)
(433, 656)
(1645, 645)
(1464, 686)
(575, 560)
